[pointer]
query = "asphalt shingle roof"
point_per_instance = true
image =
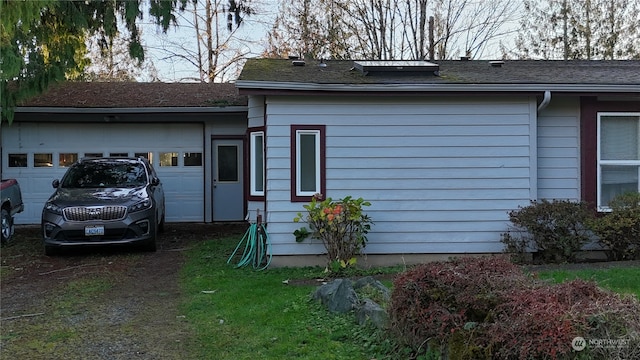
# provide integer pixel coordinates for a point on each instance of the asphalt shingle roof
(137, 95)
(450, 72)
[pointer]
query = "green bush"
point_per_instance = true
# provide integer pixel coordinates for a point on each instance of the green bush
(341, 225)
(553, 230)
(619, 231)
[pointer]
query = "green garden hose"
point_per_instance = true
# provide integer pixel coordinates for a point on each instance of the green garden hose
(257, 248)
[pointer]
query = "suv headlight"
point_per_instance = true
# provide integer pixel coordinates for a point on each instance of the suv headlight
(53, 208)
(142, 205)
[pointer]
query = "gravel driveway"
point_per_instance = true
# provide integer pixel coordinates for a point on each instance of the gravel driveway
(96, 304)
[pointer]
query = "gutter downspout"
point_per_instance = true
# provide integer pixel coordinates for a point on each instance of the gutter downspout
(545, 101)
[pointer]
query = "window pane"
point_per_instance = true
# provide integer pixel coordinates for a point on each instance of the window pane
(169, 159)
(42, 160)
(616, 180)
(119, 154)
(307, 163)
(227, 163)
(193, 159)
(258, 163)
(93, 155)
(17, 160)
(619, 138)
(66, 159)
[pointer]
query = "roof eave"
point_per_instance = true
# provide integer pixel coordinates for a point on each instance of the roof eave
(448, 87)
(137, 110)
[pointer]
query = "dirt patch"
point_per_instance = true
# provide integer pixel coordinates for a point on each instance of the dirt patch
(99, 303)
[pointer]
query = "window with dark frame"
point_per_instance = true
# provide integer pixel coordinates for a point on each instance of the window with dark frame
(618, 156)
(256, 160)
(307, 161)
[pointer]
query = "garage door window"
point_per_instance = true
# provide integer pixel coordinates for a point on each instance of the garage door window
(96, 155)
(42, 160)
(66, 159)
(192, 159)
(17, 160)
(169, 159)
(146, 155)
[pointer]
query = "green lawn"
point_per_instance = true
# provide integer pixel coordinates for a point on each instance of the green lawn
(249, 314)
(625, 280)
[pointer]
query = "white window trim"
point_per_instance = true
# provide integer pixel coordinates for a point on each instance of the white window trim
(600, 162)
(317, 189)
(253, 160)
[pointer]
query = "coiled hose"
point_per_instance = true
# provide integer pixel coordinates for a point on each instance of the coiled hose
(257, 248)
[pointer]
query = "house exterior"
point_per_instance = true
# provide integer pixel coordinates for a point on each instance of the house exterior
(192, 133)
(442, 151)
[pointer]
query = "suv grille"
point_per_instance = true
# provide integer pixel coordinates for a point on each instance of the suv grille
(81, 213)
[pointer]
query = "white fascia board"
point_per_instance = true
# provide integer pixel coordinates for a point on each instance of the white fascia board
(603, 88)
(141, 110)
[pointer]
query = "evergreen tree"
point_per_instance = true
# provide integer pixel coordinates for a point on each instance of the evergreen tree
(310, 29)
(580, 29)
(43, 41)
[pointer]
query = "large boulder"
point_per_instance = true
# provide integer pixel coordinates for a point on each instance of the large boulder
(338, 296)
(369, 284)
(343, 296)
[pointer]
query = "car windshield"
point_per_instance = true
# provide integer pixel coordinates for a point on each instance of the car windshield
(105, 174)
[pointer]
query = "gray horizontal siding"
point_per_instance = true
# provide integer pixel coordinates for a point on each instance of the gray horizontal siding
(255, 112)
(441, 174)
(558, 150)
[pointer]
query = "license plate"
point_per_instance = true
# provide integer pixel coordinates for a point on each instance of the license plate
(94, 230)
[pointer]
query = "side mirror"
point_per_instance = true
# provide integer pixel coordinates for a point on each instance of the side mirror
(55, 183)
(155, 181)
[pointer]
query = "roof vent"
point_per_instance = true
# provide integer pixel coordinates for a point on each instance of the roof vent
(496, 64)
(298, 62)
(464, 58)
(400, 66)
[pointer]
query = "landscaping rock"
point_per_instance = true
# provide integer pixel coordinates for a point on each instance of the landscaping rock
(338, 296)
(370, 281)
(369, 310)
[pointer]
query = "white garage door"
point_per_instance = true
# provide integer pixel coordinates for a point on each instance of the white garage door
(36, 154)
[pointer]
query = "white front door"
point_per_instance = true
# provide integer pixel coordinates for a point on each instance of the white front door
(228, 185)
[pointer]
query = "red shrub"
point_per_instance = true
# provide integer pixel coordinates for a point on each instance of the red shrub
(432, 300)
(540, 322)
(487, 308)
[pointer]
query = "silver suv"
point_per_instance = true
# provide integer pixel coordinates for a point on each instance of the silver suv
(104, 201)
